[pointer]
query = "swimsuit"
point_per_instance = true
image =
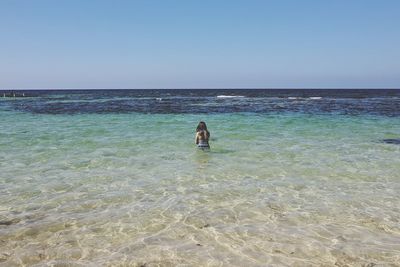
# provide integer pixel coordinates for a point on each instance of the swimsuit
(203, 144)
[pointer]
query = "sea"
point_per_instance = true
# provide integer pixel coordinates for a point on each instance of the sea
(303, 177)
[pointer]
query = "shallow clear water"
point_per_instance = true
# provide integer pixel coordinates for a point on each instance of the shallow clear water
(293, 188)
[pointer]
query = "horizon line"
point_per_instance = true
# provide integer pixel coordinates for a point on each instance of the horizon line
(210, 88)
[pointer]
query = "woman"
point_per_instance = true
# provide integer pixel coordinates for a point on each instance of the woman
(202, 136)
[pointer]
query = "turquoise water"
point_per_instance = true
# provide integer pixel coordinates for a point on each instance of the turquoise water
(131, 189)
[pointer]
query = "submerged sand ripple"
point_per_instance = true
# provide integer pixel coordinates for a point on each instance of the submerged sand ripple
(287, 193)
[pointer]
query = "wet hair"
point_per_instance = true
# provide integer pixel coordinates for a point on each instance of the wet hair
(201, 127)
(202, 130)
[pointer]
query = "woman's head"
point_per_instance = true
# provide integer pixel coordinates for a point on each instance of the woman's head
(201, 127)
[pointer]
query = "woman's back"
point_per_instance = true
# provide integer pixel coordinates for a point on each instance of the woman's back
(202, 135)
(202, 139)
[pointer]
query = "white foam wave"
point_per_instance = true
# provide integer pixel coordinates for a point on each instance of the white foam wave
(315, 97)
(229, 96)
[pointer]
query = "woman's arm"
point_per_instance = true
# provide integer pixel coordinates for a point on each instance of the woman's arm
(196, 139)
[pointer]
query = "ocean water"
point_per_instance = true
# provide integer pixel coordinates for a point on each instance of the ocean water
(113, 178)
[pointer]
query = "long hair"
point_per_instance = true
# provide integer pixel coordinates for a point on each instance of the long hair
(201, 127)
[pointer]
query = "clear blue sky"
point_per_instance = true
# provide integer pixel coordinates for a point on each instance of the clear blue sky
(200, 44)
